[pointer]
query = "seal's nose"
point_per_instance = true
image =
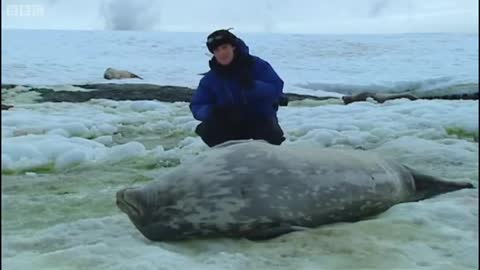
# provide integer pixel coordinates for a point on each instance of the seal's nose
(131, 202)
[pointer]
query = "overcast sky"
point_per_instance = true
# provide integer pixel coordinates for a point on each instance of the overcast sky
(290, 16)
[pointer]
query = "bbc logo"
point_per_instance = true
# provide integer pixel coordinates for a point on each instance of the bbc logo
(25, 11)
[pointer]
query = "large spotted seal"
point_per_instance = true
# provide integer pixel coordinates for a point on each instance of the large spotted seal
(256, 190)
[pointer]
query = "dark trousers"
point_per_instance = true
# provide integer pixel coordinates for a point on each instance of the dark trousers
(214, 133)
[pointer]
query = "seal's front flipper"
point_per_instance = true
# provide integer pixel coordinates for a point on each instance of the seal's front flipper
(273, 232)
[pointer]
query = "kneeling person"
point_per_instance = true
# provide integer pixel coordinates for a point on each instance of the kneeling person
(238, 98)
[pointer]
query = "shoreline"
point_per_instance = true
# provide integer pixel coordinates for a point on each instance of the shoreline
(76, 93)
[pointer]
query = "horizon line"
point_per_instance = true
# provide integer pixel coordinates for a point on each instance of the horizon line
(239, 31)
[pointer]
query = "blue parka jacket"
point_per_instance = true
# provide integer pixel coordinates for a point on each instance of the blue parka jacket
(258, 102)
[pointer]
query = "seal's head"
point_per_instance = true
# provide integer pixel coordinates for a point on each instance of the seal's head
(131, 202)
(108, 74)
(150, 212)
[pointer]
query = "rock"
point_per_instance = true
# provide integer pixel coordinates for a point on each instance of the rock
(129, 91)
(6, 107)
(379, 97)
(143, 91)
(8, 86)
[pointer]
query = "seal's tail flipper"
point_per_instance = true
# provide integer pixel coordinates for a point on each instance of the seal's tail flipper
(136, 76)
(428, 186)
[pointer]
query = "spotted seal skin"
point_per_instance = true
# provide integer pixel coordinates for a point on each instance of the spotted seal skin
(255, 190)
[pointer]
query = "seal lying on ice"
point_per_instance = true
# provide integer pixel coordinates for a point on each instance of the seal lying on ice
(256, 190)
(111, 73)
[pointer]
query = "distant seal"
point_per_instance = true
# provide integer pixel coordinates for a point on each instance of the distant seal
(111, 73)
(257, 191)
(378, 97)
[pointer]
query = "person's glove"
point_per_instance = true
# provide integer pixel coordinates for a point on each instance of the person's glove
(227, 115)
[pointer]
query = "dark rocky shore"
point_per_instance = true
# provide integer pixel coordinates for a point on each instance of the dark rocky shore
(114, 91)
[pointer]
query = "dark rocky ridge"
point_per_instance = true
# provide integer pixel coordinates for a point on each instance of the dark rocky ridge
(167, 93)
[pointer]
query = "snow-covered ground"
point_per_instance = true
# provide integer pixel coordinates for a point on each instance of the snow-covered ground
(62, 163)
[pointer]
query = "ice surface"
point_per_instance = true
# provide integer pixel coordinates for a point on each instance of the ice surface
(62, 163)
